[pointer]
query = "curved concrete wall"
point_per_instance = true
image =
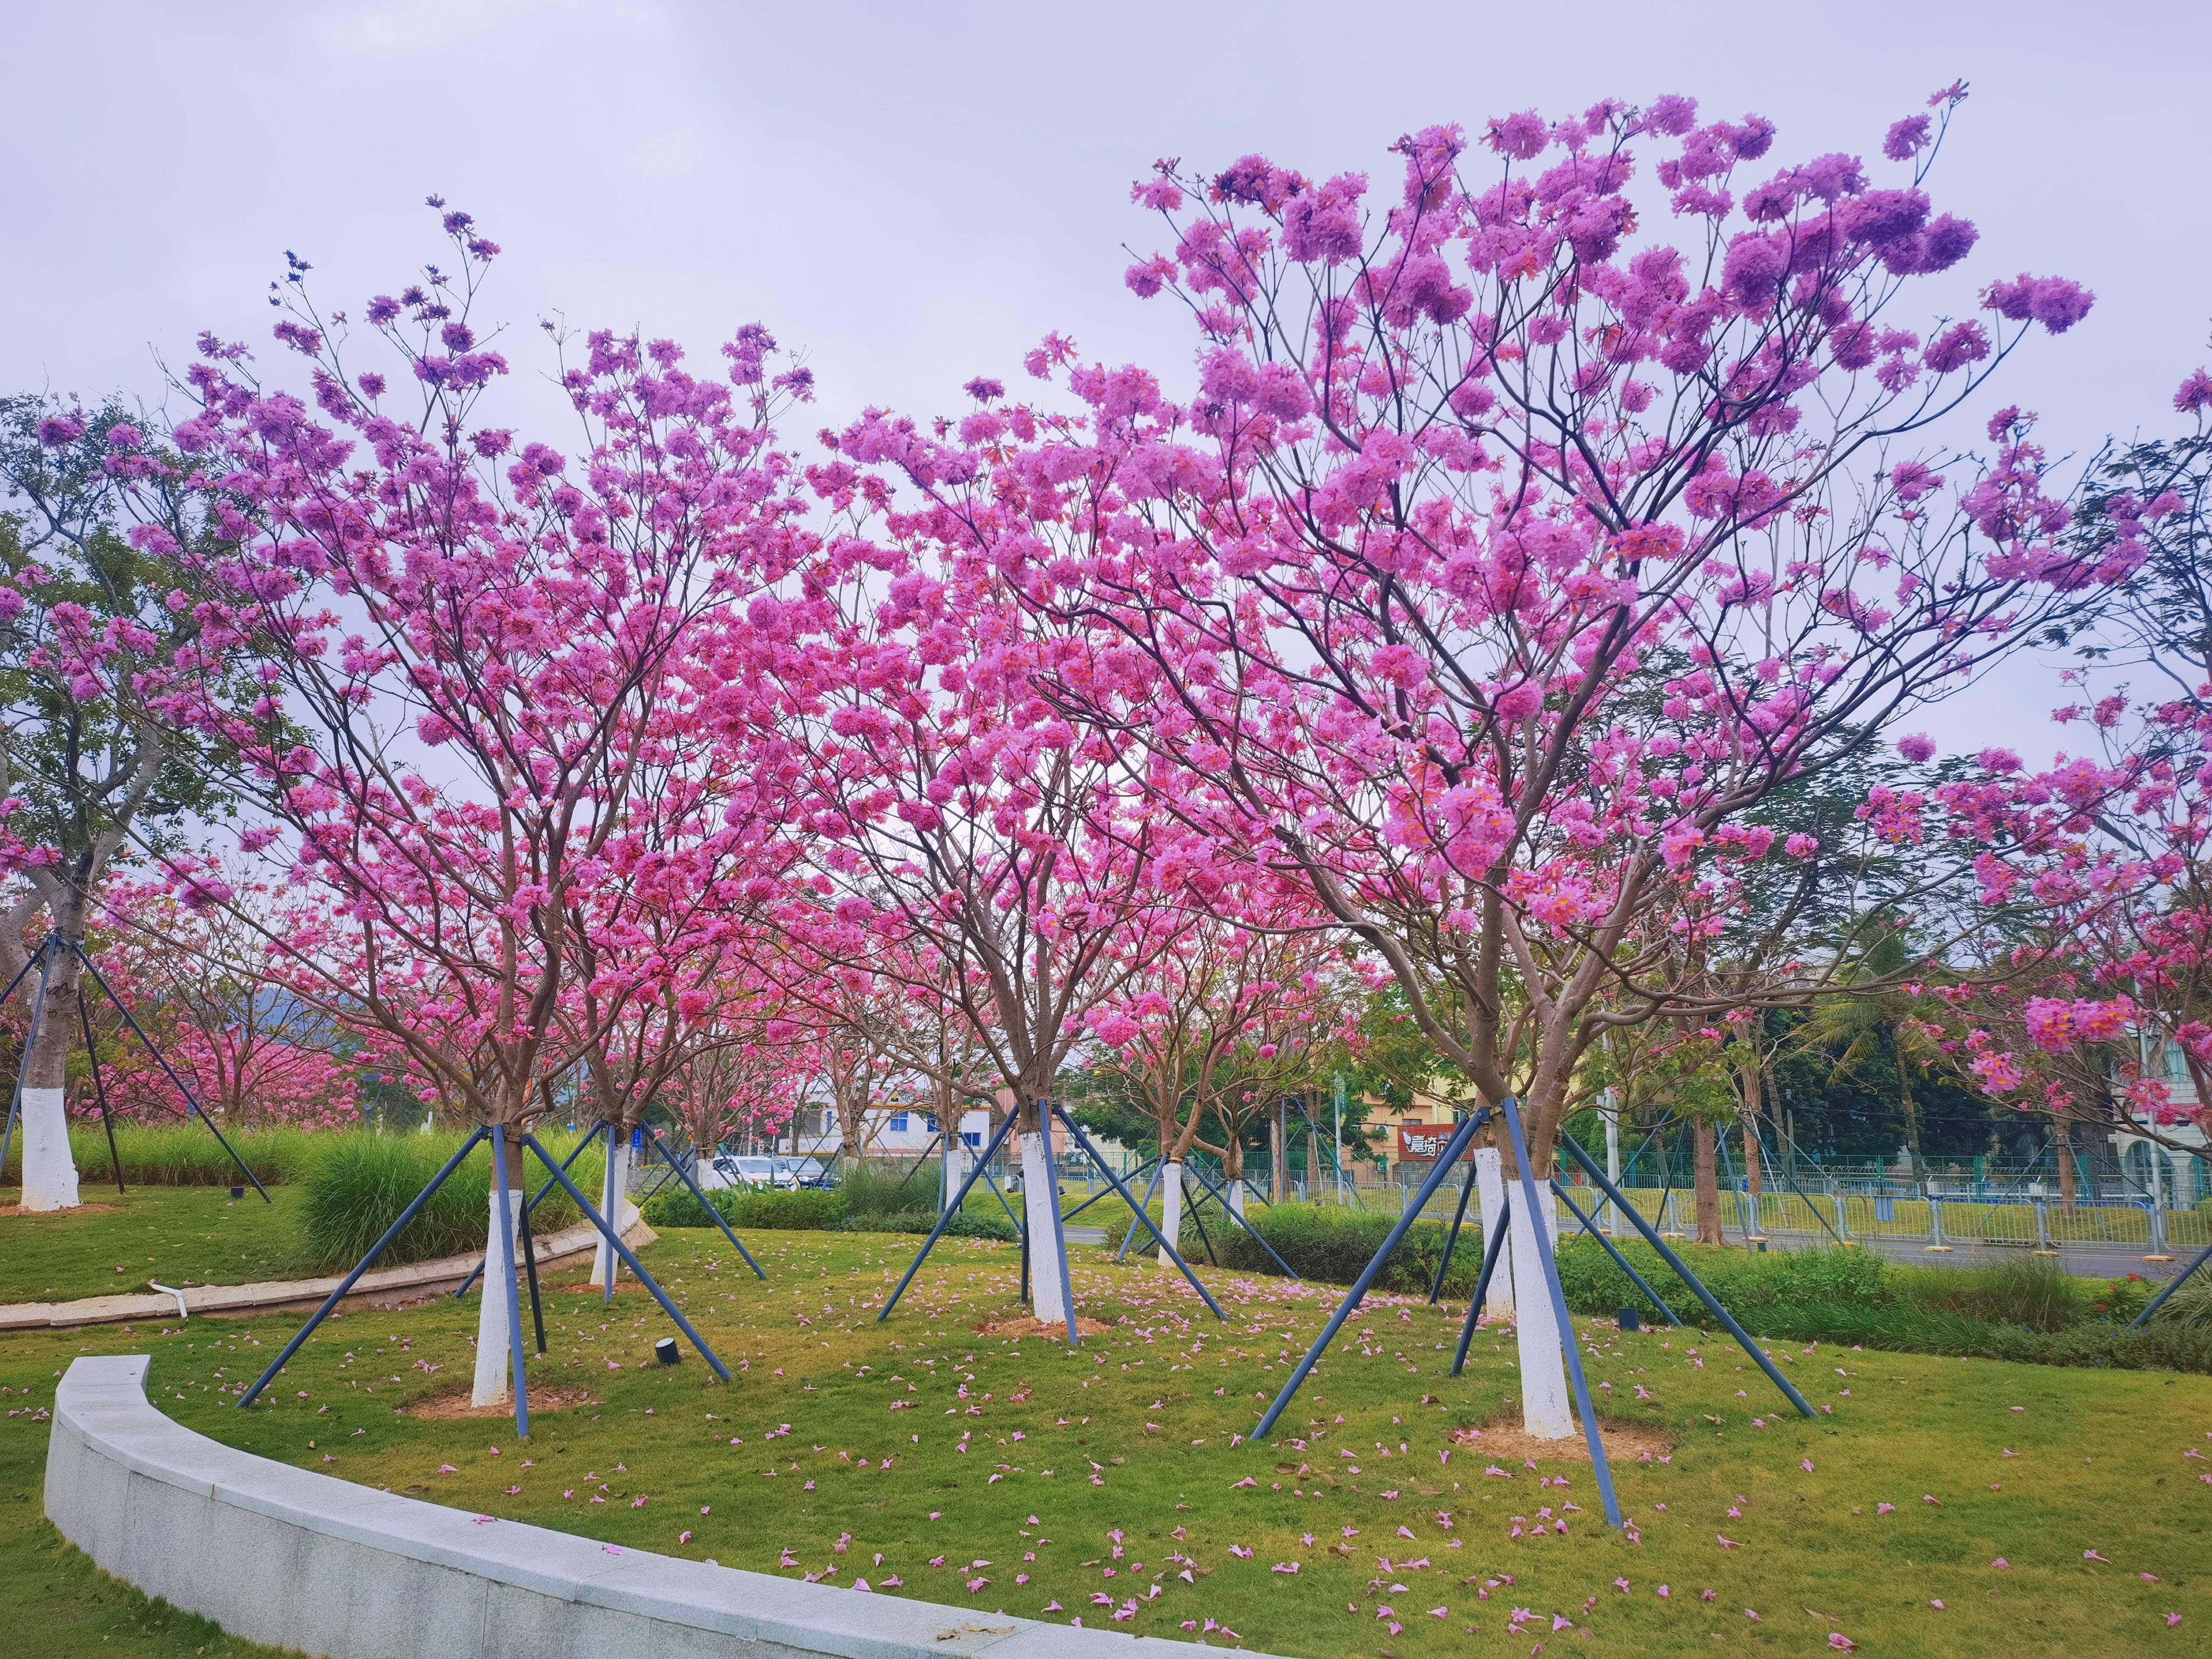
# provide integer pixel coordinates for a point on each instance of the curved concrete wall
(301, 1560)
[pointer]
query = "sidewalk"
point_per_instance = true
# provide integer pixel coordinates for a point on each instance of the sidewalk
(385, 1287)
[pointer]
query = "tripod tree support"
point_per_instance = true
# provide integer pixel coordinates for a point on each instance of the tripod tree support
(1569, 1346)
(191, 1101)
(944, 1221)
(1612, 1250)
(528, 1205)
(505, 1203)
(1458, 1143)
(1490, 1261)
(1451, 1239)
(1209, 1190)
(1696, 1285)
(1151, 1186)
(1044, 1111)
(1108, 1192)
(653, 1140)
(530, 1270)
(2171, 1286)
(629, 1257)
(99, 1085)
(43, 956)
(362, 1267)
(1083, 1141)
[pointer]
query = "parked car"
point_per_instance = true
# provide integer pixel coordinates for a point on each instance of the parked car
(754, 1169)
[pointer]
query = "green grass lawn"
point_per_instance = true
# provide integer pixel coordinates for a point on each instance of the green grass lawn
(1116, 1469)
(178, 1234)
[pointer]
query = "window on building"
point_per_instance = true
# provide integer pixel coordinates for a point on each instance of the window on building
(973, 1137)
(898, 1123)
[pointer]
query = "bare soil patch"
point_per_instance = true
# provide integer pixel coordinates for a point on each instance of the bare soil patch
(451, 1404)
(1031, 1326)
(1507, 1440)
(79, 1209)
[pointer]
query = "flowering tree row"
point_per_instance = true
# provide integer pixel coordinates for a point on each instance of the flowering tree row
(1527, 533)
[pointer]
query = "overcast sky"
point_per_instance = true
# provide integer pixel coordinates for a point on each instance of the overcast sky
(913, 193)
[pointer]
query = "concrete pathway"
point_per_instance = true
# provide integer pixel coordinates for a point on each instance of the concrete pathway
(384, 1285)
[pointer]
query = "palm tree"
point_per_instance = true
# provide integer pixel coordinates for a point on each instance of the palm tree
(1861, 1025)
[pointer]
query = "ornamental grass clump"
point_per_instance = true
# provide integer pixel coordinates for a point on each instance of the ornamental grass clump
(358, 1186)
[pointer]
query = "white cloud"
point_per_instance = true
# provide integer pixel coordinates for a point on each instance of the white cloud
(399, 27)
(666, 155)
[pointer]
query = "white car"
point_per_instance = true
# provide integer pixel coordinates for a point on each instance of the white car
(753, 1171)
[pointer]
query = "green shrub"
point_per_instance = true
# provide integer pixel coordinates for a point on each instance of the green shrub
(357, 1184)
(2033, 1291)
(2122, 1298)
(2029, 1310)
(803, 1210)
(184, 1154)
(2190, 1306)
(875, 1189)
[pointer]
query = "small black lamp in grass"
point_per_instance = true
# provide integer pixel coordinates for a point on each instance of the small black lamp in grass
(666, 1352)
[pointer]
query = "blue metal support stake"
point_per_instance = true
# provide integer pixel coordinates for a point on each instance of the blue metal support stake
(945, 1219)
(1451, 1239)
(1160, 1169)
(1490, 1261)
(1613, 1251)
(363, 1264)
(1230, 1210)
(506, 1208)
(1453, 1148)
(1682, 1271)
(1569, 1348)
(654, 1142)
(607, 1232)
(1075, 1131)
(2171, 1286)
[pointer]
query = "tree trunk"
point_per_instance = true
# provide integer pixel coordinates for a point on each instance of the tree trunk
(1314, 1164)
(614, 1204)
(1538, 1343)
(1709, 1186)
(1171, 1211)
(1490, 1193)
(1232, 1169)
(1279, 1145)
(49, 1165)
(2062, 1133)
(1750, 1140)
(1050, 1300)
(1911, 1112)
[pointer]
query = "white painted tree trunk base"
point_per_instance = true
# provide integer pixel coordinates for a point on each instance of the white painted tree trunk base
(494, 1346)
(1490, 1193)
(1236, 1194)
(1171, 1213)
(1547, 1412)
(956, 1165)
(614, 1204)
(1040, 1200)
(49, 1166)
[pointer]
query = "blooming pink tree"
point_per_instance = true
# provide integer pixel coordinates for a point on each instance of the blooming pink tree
(198, 980)
(1225, 989)
(967, 841)
(478, 657)
(1501, 566)
(89, 621)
